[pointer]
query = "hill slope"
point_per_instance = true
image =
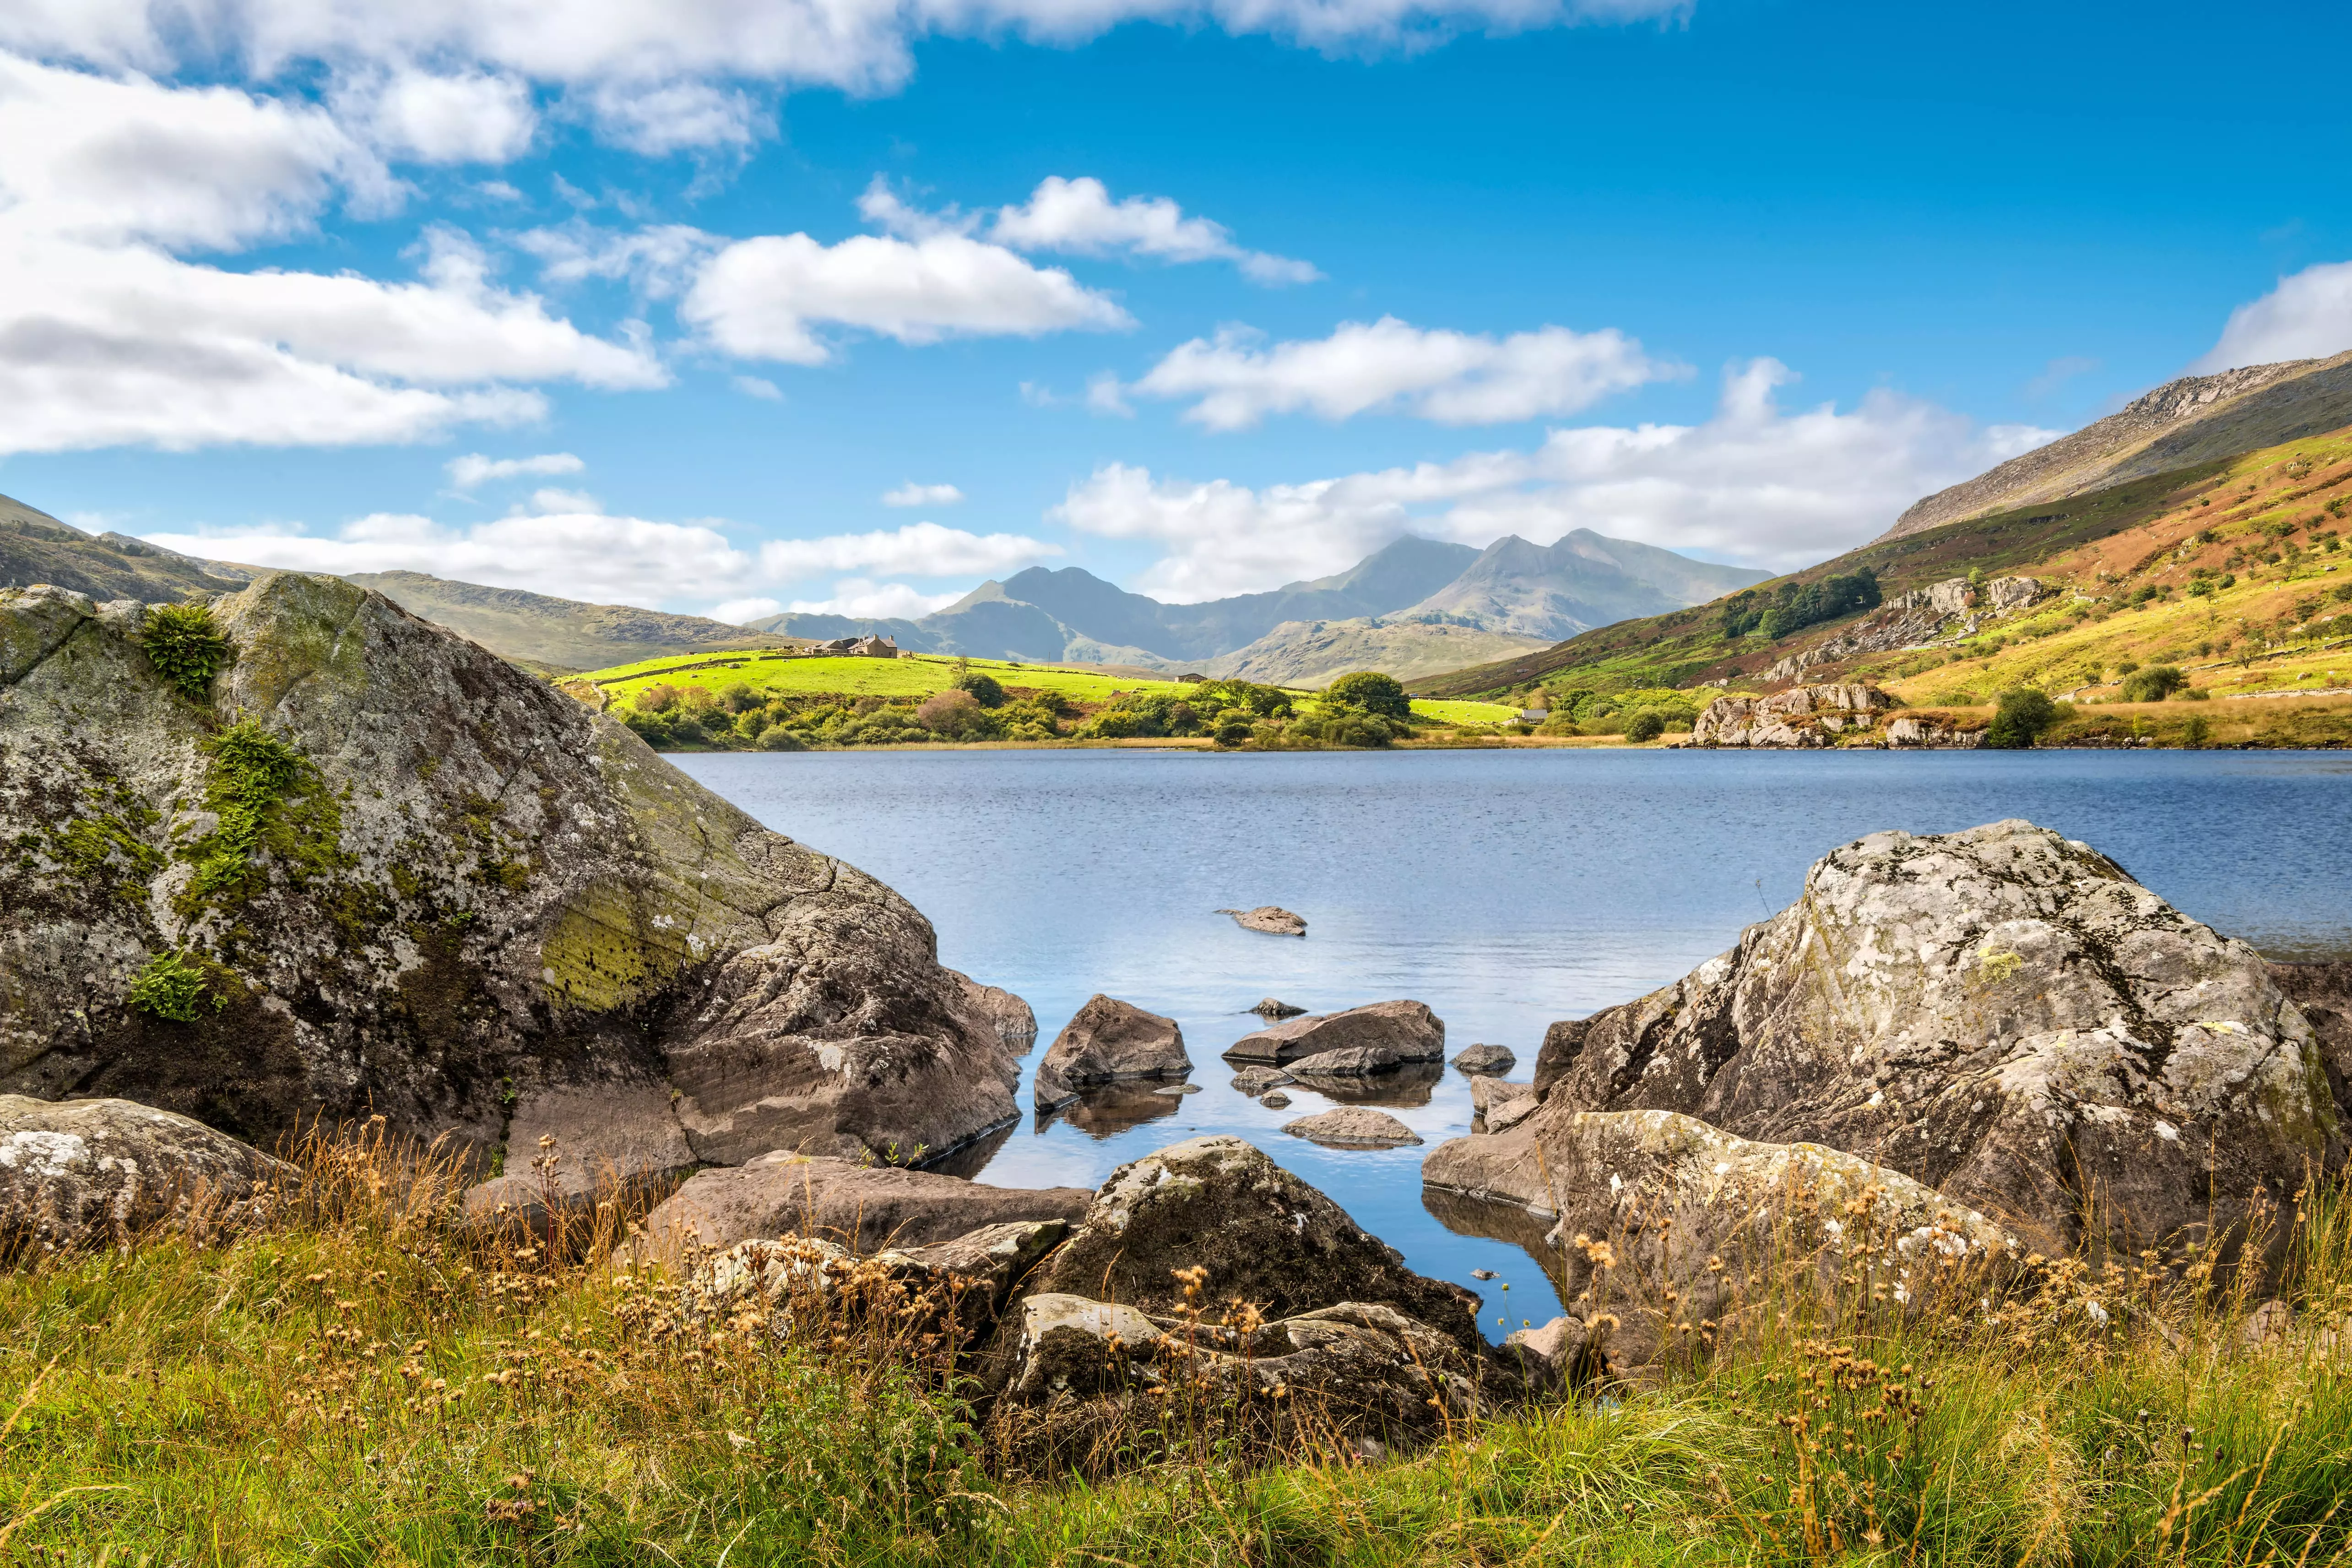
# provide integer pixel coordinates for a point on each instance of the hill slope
(558, 634)
(37, 548)
(1314, 653)
(2195, 419)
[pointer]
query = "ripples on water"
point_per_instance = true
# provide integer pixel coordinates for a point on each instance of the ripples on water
(1504, 888)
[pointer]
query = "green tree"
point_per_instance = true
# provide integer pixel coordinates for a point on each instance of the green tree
(1371, 692)
(2019, 719)
(985, 689)
(1646, 726)
(2154, 684)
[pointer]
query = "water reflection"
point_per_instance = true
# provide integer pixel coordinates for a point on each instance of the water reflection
(1406, 1086)
(1111, 1109)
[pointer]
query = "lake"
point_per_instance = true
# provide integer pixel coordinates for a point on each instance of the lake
(1504, 888)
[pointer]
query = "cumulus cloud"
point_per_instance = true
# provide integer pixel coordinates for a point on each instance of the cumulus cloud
(917, 550)
(913, 494)
(2307, 316)
(767, 298)
(657, 260)
(1388, 365)
(867, 600)
(758, 387)
(1753, 484)
(471, 117)
(474, 470)
(1078, 216)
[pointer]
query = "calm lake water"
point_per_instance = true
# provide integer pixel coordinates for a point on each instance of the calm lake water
(1504, 888)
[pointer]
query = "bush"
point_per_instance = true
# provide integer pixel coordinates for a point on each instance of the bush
(1233, 729)
(185, 646)
(736, 697)
(1371, 692)
(2019, 719)
(1645, 726)
(2196, 733)
(776, 738)
(658, 698)
(955, 714)
(985, 689)
(1794, 605)
(2154, 684)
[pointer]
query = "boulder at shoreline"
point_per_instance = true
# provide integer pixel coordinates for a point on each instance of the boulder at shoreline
(1109, 1041)
(1408, 1029)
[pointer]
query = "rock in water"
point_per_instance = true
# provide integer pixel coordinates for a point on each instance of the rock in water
(1278, 1101)
(2002, 1015)
(1269, 919)
(1353, 1127)
(1487, 1093)
(1109, 1040)
(1409, 1028)
(1268, 1008)
(1356, 1061)
(1487, 1061)
(367, 867)
(99, 1173)
(1259, 1079)
(1015, 1021)
(1261, 1234)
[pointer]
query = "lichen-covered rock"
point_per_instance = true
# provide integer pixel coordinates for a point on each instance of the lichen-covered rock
(1353, 1127)
(1262, 1235)
(1273, 1007)
(2323, 993)
(367, 867)
(964, 1281)
(1664, 1224)
(1802, 716)
(1106, 1041)
(2000, 1014)
(1409, 1028)
(1271, 918)
(100, 1172)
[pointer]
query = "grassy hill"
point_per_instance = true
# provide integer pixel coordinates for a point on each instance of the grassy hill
(2253, 535)
(37, 548)
(551, 635)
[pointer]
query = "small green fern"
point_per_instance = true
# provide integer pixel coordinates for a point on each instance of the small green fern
(172, 989)
(183, 642)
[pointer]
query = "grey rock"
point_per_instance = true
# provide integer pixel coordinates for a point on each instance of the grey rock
(1800, 716)
(1504, 1114)
(1679, 1203)
(1487, 1093)
(862, 1208)
(2323, 994)
(572, 1146)
(1408, 1029)
(1355, 1061)
(1269, 919)
(104, 1172)
(1491, 1060)
(469, 885)
(2002, 1015)
(1278, 1101)
(1268, 1008)
(1353, 1127)
(1261, 1234)
(1107, 1041)
(1014, 1021)
(1259, 1079)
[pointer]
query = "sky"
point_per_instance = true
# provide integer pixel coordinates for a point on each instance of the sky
(735, 306)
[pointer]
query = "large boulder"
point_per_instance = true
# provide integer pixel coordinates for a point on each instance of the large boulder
(2001, 1013)
(1262, 1235)
(1015, 1020)
(368, 868)
(1106, 1041)
(1355, 1061)
(863, 1208)
(1800, 716)
(1409, 1028)
(2323, 992)
(1664, 1223)
(101, 1173)
(1353, 1127)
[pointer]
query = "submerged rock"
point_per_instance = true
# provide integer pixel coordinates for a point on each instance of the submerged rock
(1269, 919)
(1486, 1060)
(1107, 1041)
(367, 867)
(1270, 1008)
(1278, 1101)
(2000, 1014)
(101, 1173)
(1259, 1079)
(1353, 1127)
(1409, 1028)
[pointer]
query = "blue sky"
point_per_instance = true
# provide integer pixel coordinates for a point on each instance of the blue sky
(1737, 278)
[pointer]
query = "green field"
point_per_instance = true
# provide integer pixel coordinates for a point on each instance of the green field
(923, 674)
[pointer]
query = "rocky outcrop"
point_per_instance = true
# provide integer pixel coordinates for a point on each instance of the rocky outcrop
(864, 1208)
(1409, 1028)
(969, 1278)
(2002, 1015)
(1270, 919)
(1260, 1234)
(368, 868)
(1109, 1040)
(1353, 1127)
(1480, 1061)
(1015, 1021)
(102, 1173)
(1930, 732)
(1802, 717)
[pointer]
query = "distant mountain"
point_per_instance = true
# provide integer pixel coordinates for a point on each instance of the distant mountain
(1579, 582)
(1313, 652)
(37, 548)
(557, 635)
(2197, 419)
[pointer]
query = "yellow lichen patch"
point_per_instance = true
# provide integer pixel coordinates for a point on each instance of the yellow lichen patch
(608, 950)
(1997, 966)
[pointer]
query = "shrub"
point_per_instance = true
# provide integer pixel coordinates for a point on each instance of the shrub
(955, 714)
(776, 738)
(2019, 719)
(1371, 692)
(2154, 684)
(171, 988)
(185, 646)
(658, 698)
(2195, 733)
(985, 689)
(1233, 729)
(1794, 605)
(736, 697)
(1645, 726)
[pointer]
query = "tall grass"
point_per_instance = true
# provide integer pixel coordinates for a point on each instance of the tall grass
(367, 1382)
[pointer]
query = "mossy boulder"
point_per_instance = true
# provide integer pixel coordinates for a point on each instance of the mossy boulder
(368, 868)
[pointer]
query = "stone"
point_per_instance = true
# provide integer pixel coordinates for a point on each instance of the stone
(579, 1144)
(1486, 1060)
(1270, 1008)
(1409, 1028)
(2322, 992)
(461, 888)
(1506, 1114)
(2002, 1015)
(862, 1208)
(1925, 732)
(1355, 1061)
(1269, 919)
(1261, 1234)
(1014, 1022)
(1109, 1040)
(1178, 1089)
(1651, 1201)
(1110, 1108)
(1259, 1079)
(1353, 1127)
(104, 1172)
(1802, 716)
(1487, 1093)
(1278, 1101)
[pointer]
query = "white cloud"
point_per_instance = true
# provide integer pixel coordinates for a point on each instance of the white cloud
(1388, 365)
(766, 298)
(2307, 316)
(913, 494)
(472, 117)
(657, 260)
(868, 600)
(741, 612)
(917, 550)
(474, 470)
(1078, 216)
(1751, 484)
(656, 119)
(758, 387)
